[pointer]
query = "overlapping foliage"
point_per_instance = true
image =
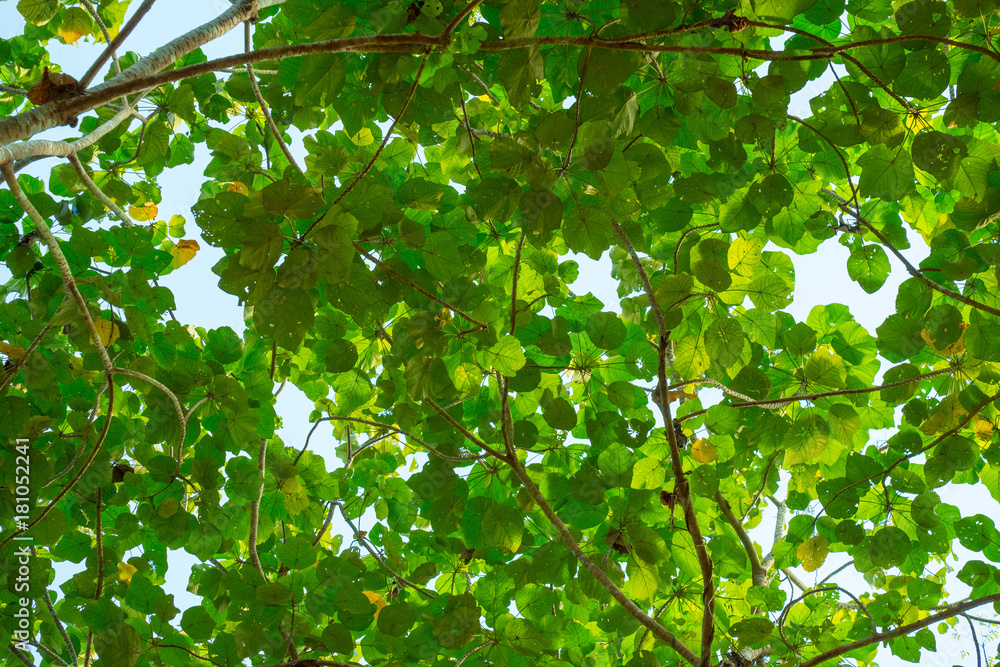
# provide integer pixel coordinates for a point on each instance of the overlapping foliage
(411, 277)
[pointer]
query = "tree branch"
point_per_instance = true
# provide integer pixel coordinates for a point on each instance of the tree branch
(378, 559)
(60, 260)
(681, 486)
(415, 287)
(255, 511)
(758, 571)
(899, 631)
(113, 44)
(371, 162)
(658, 630)
(173, 399)
(58, 623)
(96, 191)
(86, 464)
(263, 105)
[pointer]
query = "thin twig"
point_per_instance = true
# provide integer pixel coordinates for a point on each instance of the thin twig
(255, 510)
(658, 630)
(173, 399)
(472, 141)
(263, 105)
(466, 432)
(97, 192)
(417, 288)
(374, 554)
(448, 29)
(472, 650)
(69, 487)
(576, 120)
(19, 364)
(513, 289)
(758, 572)
(899, 631)
(58, 623)
(371, 162)
(682, 488)
(326, 524)
(49, 652)
(12, 90)
(774, 403)
(113, 45)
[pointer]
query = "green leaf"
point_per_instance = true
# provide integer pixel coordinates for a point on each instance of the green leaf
(605, 70)
(507, 356)
(889, 546)
(503, 527)
(806, 440)
(519, 18)
(197, 623)
(869, 267)
(588, 230)
(886, 173)
(396, 619)
(606, 330)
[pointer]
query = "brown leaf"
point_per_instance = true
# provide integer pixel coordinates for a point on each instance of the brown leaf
(614, 540)
(118, 472)
(53, 86)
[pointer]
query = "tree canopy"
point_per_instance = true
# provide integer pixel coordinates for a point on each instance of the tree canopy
(531, 476)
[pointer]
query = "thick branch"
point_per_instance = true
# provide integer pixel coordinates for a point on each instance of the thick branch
(61, 262)
(39, 147)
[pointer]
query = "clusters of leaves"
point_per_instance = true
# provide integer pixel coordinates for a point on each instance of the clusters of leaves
(411, 279)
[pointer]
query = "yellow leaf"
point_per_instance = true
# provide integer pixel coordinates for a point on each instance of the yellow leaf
(364, 137)
(813, 552)
(376, 600)
(176, 226)
(918, 120)
(143, 213)
(183, 252)
(236, 186)
(125, 572)
(956, 348)
(76, 23)
(983, 430)
(703, 451)
(443, 318)
(12, 351)
(107, 330)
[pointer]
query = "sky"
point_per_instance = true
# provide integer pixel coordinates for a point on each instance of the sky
(821, 278)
